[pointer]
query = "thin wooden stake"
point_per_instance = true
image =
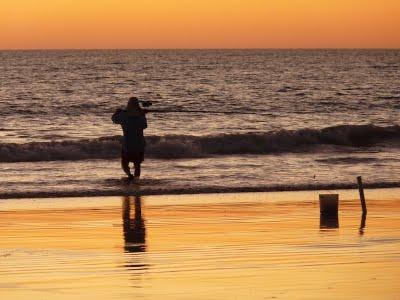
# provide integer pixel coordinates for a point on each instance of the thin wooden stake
(362, 197)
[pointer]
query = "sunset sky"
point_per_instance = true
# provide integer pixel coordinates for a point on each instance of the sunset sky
(48, 24)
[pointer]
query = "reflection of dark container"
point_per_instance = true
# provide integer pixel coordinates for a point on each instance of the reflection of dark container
(329, 204)
(326, 221)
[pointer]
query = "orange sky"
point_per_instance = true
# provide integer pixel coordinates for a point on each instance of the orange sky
(45, 24)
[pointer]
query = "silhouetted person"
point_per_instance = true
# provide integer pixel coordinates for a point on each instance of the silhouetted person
(133, 121)
(134, 228)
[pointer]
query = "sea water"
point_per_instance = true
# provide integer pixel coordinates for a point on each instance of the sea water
(264, 119)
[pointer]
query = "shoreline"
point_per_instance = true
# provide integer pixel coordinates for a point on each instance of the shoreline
(137, 190)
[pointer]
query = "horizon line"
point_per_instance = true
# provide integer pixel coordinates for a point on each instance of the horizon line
(126, 49)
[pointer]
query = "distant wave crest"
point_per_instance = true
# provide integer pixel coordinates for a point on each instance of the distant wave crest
(189, 146)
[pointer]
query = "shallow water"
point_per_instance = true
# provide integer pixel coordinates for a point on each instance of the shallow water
(201, 246)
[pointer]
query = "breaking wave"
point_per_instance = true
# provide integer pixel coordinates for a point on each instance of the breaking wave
(188, 146)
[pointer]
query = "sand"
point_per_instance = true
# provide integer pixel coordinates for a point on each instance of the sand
(225, 246)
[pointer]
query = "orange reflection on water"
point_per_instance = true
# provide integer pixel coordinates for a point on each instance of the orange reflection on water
(211, 246)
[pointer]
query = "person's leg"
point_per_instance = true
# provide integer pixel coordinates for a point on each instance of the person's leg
(125, 165)
(137, 168)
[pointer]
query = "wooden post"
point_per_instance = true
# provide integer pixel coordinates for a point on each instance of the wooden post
(362, 197)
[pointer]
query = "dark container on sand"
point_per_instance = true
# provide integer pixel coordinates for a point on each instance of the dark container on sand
(329, 204)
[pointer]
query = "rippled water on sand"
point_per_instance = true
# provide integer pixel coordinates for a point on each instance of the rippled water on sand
(210, 246)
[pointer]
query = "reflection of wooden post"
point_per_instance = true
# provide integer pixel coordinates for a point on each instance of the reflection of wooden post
(362, 224)
(328, 204)
(362, 197)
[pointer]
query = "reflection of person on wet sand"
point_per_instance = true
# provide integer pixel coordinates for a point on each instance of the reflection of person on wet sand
(134, 229)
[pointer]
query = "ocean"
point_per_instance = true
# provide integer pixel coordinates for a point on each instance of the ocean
(233, 120)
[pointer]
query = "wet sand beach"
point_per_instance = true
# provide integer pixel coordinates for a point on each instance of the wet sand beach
(215, 246)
